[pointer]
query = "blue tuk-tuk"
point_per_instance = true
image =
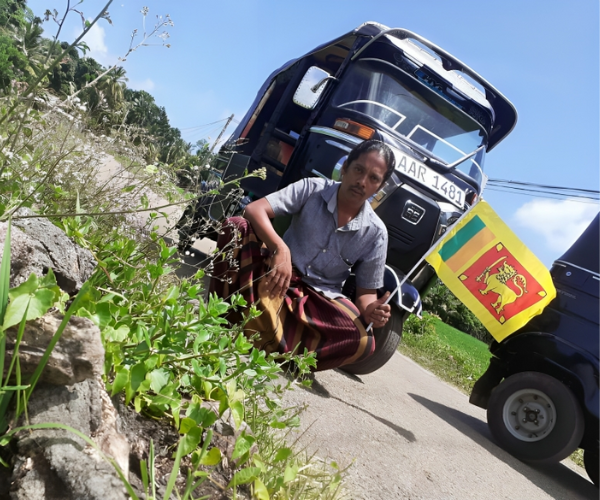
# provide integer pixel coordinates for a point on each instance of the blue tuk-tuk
(438, 115)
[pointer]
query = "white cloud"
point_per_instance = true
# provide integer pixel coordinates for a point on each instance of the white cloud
(95, 40)
(146, 85)
(559, 222)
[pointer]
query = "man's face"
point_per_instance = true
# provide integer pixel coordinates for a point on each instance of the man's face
(362, 178)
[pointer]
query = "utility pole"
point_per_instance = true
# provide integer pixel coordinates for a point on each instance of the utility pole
(221, 133)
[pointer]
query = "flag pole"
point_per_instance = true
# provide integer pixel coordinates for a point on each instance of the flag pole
(430, 251)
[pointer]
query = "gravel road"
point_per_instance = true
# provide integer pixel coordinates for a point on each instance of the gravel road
(411, 436)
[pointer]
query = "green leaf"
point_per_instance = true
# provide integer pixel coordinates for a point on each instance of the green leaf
(187, 424)
(260, 490)
(121, 379)
(25, 288)
(27, 131)
(49, 280)
(291, 471)
(36, 304)
(282, 454)
(118, 335)
(6, 388)
(202, 416)
(244, 476)
(151, 169)
(237, 412)
(158, 379)
(101, 317)
(213, 457)
(4, 282)
(242, 446)
(15, 311)
(138, 374)
(190, 441)
(172, 294)
(259, 463)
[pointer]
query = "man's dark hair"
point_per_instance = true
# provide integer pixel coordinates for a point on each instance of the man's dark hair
(373, 145)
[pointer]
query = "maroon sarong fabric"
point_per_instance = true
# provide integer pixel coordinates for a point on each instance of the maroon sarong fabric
(304, 318)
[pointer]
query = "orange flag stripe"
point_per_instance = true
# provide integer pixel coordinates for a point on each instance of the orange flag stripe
(470, 249)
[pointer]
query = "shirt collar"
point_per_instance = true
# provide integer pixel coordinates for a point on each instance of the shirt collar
(329, 194)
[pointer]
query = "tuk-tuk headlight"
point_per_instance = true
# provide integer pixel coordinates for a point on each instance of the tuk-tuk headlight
(354, 128)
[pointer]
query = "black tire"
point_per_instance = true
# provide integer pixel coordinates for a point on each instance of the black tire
(386, 344)
(535, 418)
(592, 465)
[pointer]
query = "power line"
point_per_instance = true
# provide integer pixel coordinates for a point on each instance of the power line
(544, 186)
(543, 190)
(575, 199)
(205, 125)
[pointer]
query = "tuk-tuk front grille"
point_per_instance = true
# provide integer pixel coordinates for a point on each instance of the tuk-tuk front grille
(399, 234)
(408, 240)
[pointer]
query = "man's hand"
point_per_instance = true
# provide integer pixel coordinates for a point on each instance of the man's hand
(278, 279)
(373, 309)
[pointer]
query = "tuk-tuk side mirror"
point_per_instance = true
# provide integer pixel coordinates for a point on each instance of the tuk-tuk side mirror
(311, 87)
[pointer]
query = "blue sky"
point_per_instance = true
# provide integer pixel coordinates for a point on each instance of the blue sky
(542, 54)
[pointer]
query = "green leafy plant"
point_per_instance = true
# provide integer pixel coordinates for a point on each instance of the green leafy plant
(26, 302)
(171, 352)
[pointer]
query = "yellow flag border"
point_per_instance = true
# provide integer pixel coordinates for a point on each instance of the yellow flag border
(505, 236)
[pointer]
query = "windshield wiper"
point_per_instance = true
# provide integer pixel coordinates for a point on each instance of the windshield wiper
(455, 164)
(436, 163)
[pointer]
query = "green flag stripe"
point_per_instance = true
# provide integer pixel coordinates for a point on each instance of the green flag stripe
(455, 243)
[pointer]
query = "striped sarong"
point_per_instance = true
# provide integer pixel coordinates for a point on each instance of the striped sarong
(304, 318)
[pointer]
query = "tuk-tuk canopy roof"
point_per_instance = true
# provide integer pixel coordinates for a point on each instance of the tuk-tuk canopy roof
(505, 114)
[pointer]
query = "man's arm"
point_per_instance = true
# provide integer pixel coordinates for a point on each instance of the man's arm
(259, 213)
(372, 309)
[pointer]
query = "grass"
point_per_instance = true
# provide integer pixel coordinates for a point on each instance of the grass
(451, 354)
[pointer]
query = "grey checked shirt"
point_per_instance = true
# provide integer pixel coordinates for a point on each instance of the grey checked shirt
(322, 252)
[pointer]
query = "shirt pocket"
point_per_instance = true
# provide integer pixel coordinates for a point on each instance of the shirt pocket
(350, 255)
(338, 269)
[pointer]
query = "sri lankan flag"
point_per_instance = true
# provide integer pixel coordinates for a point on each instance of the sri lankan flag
(492, 272)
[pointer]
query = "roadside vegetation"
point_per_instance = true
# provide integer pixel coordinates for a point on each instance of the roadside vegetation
(454, 356)
(169, 349)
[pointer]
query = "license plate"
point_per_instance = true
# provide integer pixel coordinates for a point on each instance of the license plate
(430, 178)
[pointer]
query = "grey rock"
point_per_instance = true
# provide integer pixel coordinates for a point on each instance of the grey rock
(34, 479)
(38, 245)
(77, 356)
(56, 460)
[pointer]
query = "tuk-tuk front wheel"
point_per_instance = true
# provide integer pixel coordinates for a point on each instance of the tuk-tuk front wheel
(387, 339)
(535, 417)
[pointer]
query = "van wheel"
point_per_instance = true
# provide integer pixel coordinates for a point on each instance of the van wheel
(386, 344)
(592, 465)
(535, 417)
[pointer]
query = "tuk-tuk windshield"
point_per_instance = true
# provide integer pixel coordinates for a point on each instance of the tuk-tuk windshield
(385, 93)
